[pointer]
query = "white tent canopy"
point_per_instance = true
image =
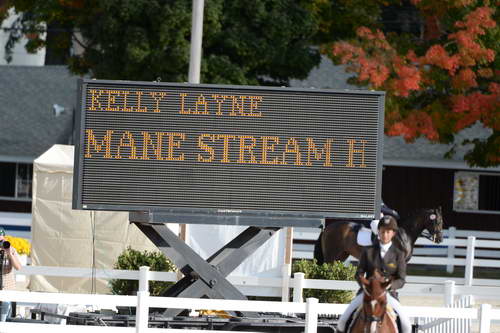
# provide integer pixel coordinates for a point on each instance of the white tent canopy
(65, 237)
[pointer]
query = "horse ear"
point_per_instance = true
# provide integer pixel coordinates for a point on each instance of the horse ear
(363, 280)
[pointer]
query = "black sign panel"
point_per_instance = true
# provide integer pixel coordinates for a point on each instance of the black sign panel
(228, 149)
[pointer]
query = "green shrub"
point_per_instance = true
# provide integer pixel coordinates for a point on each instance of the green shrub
(131, 259)
(327, 271)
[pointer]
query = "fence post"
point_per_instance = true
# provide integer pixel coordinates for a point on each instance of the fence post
(142, 310)
(469, 260)
(449, 292)
(143, 278)
(452, 231)
(484, 318)
(298, 286)
(311, 315)
(285, 284)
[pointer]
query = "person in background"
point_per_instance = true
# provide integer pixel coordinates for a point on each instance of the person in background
(8, 280)
(384, 210)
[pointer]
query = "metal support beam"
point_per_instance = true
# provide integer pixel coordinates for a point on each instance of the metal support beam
(205, 277)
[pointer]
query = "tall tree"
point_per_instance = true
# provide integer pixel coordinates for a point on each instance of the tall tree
(244, 42)
(440, 79)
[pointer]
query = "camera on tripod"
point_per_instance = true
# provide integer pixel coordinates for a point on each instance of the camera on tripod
(4, 245)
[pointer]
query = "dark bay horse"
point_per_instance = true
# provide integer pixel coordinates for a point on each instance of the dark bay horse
(373, 317)
(339, 239)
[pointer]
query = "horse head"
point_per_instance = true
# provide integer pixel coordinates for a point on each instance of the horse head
(374, 299)
(433, 225)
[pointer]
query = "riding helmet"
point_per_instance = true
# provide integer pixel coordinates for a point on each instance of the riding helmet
(389, 222)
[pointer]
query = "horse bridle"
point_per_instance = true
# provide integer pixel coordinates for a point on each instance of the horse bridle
(372, 318)
(434, 217)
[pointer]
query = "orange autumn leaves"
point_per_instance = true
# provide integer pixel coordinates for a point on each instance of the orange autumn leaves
(459, 70)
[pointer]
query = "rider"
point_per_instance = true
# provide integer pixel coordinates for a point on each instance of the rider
(384, 210)
(391, 262)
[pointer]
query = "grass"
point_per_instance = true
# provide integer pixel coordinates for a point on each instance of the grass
(458, 272)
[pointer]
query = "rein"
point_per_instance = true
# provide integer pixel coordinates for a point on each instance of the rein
(369, 319)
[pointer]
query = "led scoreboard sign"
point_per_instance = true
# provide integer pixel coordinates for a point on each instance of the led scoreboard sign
(146, 146)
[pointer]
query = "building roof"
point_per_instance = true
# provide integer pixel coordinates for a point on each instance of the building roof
(28, 126)
(424, 153)
(397, 152)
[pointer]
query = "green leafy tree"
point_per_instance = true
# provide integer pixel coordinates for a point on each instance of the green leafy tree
(339, 20)
(244, 42)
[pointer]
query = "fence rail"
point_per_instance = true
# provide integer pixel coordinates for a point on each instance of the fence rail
(466, 248)
(311, 308)
(454, 251)
(485, 314)
(280, 286)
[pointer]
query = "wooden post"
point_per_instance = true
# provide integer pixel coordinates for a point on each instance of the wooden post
(285, 285)
(289, 245)
(183, 235)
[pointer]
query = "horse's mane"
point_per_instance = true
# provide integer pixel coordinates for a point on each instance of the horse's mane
(412, 226)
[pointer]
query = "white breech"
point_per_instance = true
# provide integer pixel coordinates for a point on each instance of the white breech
(405, 321)
(374, 226)
(356, 302)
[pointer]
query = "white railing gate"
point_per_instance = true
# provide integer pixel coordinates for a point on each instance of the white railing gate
(433, 325)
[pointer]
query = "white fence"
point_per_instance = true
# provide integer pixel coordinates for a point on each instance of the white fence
(453, 251)
(281, 286)
(484, 315)
(432, 325)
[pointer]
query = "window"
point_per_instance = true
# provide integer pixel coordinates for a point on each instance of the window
(15, 181)
(476, 192)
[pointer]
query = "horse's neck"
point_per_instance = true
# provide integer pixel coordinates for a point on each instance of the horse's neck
(411, 230)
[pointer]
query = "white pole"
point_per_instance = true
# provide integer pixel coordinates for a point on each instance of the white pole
(484, 318)
(298, 286)
(143, 278)
(196, 38)
(311, 315)
(449, 292)
(469, 260)
(451, 248)
(142, 310)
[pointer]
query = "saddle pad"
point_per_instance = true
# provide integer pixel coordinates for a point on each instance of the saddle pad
(364, 237)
